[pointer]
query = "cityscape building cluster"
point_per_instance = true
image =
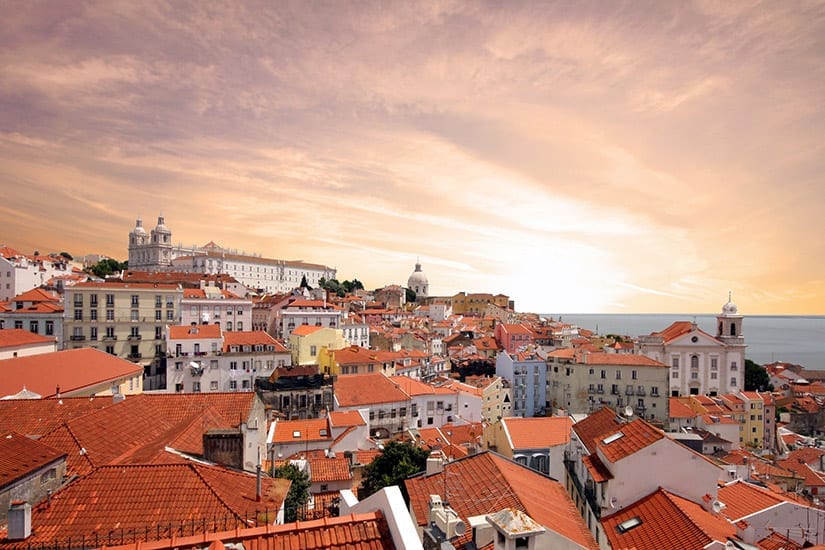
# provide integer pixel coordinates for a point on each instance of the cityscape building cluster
(161, 406)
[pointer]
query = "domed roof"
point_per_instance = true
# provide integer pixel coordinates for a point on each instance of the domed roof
(729, 308)
(417, 276)
(138, 230)
(161, 226)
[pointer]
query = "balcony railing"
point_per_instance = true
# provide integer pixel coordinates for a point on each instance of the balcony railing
(629, 391)
(640, 391)
(135, 356)
(77, 337)
(109, 338)
(134, 337)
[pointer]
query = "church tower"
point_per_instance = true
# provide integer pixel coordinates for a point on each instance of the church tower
(160, 252)
(729, 324)
(138, 239)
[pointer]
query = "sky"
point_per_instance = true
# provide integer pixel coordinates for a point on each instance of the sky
(627, 157)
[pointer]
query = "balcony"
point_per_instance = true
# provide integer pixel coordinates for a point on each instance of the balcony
(109, 338)
(629, 391)
(600, 390)
(135, 356)
(640, 392)
(615, 391)
(133, 337)
(77, 338)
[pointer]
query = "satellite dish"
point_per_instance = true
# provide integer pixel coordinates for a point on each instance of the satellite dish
(628, 411)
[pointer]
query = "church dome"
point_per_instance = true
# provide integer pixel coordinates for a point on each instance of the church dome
(417, 278)
(161, 226)
(729, 308)
(138, 230)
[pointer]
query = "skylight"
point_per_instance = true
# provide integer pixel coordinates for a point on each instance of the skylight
(629, 524)
(296, 434)
(611, 438)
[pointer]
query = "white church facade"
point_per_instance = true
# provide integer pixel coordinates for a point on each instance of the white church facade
(155, 252)
(701, 363)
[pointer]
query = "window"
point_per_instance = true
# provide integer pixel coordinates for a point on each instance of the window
(158, 301)
(245, 384)
(233, 365)
(694, 376)
(675, 362)
(170, 301)
(633, 375)
(592, 372)
(49, 328)
(694, 361)
(196, 387)
(78, 315)
(93, 315)
(229, 325)
(110, 315)
(110, 332)
(34, 327)
(732, 380)
(618, 375)
(603, 374)
(313, 351)
(78, 300)
(170, 315)
(714, 363)
(733, 365)
(239, 327)
(110, 350)
(135, 300)
(654, 391)
(134, 332)
(674, 374)
(93, 333)
(233, 385)
(713, 375)
(158, 315)
(213, 385)
(135, 315)
(18, 324)
(110, 300)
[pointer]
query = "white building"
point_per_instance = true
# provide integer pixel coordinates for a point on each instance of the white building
(22, 272)
(212, 305)
(315, 313)
(701, 364)
(155, 252)
(37, 311)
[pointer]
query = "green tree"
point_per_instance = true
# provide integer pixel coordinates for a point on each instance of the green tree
(304, 283)
(396, 463)
(298, 494)
(67, 256)
(756, 377)
(411, 296)
(107, 267)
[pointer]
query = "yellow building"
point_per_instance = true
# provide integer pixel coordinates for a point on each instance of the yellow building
(306, 343)
(476, 303)
(753, 421)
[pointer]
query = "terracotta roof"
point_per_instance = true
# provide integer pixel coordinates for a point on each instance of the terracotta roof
(324, 469)
(20, 456)
(305, 330)
(777, 541)
(486, 483)
(598, 471)
(516, 329)
(629, 359)
(70, 370)
(812, 478)
(125, 285)
(677, 329)
(44, 308)
(597, 425)
(251, 338)
(14, 337)
(291, 431)
(414, 387)
(354, 390)
(36, 295)
(743, 499)
(538, 433)
(362, 531)
(667, 521)
(197, 332)
(35, 417)
(634, 437)
(678, 409)
(346, 418)
(365, 457)
(144, 500)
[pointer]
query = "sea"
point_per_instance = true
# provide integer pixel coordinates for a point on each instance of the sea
(790, 338)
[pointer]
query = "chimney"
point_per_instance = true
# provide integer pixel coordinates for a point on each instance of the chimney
(435, 463)
(258, 482)
(20, 520)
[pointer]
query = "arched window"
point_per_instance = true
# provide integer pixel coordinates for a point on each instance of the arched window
(694, 361)
(733, 329)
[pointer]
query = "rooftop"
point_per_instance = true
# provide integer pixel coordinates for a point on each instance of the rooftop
(16, 337)
(538, 433)
(355, 390)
